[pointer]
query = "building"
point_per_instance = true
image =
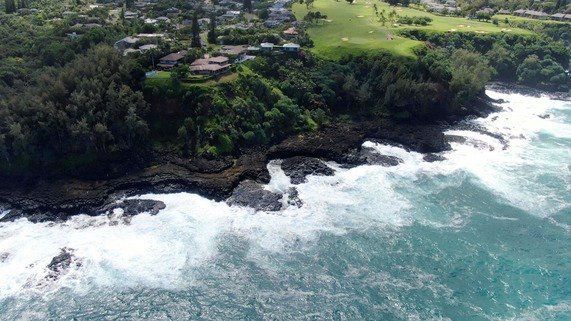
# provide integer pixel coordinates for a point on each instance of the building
(129, 15)
(218, 60)
(130, 51)
(125, 43)
(230, 15)
(536, 14)
(210, 66)
(233, 51)
(561, 17)
(163, 19)
(145, 48)
(290, 32)
(291, 47)
(171, 60)
(209, 70)
(267, 46)
(520, 12)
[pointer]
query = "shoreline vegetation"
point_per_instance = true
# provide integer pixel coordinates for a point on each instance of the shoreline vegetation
(80, 126)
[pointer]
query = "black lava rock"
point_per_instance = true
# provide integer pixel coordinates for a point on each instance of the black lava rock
(251, 194)
(299, 167)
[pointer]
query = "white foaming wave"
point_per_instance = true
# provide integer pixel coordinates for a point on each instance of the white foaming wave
(515, 173)
(525, 115)
(160, 250)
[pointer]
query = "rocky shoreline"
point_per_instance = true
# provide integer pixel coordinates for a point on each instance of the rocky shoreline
(46, 200)
(237, 180)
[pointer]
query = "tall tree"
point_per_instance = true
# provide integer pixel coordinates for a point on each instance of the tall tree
(10, 6)
(22, 4)
(212, 30)
(195, 41)
(248, 5)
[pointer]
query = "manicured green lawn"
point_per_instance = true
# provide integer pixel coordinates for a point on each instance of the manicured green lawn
(355, 28)
(162, 78)
(502, 17)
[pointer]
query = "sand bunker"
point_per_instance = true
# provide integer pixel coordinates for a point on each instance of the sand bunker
(344, 39)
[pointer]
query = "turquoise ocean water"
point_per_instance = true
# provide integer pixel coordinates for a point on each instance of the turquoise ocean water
(483, 235)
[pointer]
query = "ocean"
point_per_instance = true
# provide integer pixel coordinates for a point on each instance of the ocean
(482, 235)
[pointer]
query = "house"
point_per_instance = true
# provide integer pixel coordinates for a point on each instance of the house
(230, 15)
(291, 47)
(561, 17)
(233, 51)
(152, 35)
(163, 19)
(487, 10)
(290, 32)
(145, 48)
(253, 49)
(171, 60)
(125, 43)
(210, 66)
(267, 46)
(536, 14)
(129, 15)
(151, 21)
(218, 60)
(129, 51)
(520, 12)
(67, 14)
(172, 11)
(503, 11)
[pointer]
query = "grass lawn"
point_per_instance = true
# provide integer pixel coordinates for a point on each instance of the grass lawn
(502, 17)
(355, 28)
(162, 78)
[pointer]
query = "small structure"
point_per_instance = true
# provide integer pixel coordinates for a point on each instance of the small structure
(145, 48)
(561, 17)
(253, 49)
(172, 11)
(487, 10)
(267, 46)
(67, 14)
(504, 11)
(536, 14)
(230, 15)
(163, 19)
(291, 47)
(171, 60)
(290, 32)
(130, 51)
(152, 35)
(129, 15)
(72, 36)
(233, 51)
(520, 12)
(125, 43)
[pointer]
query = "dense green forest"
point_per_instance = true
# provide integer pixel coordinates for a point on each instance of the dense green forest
(76, 106)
